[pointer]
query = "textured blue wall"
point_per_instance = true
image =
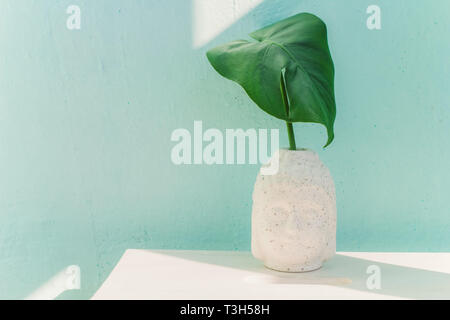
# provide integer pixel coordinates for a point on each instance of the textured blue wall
(86, 118)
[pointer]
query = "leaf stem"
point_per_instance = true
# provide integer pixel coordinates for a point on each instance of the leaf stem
(285, 97)
(291, 136)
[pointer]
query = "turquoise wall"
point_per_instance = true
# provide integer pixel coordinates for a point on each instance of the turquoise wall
(86, 118)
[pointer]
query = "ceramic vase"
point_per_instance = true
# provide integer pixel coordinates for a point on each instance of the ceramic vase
(294, 213)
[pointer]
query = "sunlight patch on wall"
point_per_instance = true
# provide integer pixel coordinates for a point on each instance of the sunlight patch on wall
(212, 17)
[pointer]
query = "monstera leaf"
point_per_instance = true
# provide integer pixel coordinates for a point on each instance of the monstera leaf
(288, 71)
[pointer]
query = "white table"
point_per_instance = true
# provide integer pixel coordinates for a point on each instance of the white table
(170, 274)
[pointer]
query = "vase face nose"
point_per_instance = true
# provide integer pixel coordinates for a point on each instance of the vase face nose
(289, 225)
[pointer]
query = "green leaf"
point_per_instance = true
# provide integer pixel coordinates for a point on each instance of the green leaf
(294, 50)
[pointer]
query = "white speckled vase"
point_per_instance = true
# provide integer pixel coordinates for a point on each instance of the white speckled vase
(294, 213)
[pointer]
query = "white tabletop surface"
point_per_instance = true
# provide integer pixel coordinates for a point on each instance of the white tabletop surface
(171, 274)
